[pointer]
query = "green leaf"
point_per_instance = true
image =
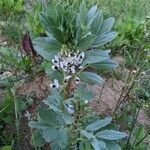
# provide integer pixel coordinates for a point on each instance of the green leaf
(9, 4)
(98, 144)
(50, 117)
(47, 47)
(111, 135)
(97, 23)
(58, 34)
(84, 93)
(48, 43)
(53, 74)
(104, 38)
(86, 42)
(9, 81)
(82, 14)
(44, 53)
(38, 139)
(105, 65)
(78, 34)
(51, 27)
(139, 134)
(19, 5)
(55, 146)
(99, 124)
(54, 100)
(50, 134)
(60, 15)
(6, 148)
(62, 138)
(68, 118)
(91, 15)
(95, 56)
(107, 25)
(46, 21)
(87, 96)
(87, 134)
(90, 77)
(38, 125)
(92, 11)
(51, 11)
(112, 145)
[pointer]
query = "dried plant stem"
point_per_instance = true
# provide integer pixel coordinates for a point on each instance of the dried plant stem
(127, 93)
(124, 98)
(100, 94)
(67, 90)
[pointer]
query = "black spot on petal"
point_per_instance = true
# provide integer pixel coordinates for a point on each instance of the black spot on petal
(56, 67)
(53, 86)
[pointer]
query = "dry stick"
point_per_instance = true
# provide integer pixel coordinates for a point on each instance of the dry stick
(101, 91)
(133, 83)
(122, 92)
(119, 103)
(68, 89)
(125, 96)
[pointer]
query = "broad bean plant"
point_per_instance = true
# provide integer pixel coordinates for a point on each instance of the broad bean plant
(73, 50)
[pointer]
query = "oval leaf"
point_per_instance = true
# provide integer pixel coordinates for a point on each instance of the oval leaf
(98, 144)
(104, 38)
(86, 42)
(95, 56)
(111, 135)
(99, 124)
(107, 25)
(91, 78)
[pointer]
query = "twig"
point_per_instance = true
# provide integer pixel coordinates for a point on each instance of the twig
(101, 91)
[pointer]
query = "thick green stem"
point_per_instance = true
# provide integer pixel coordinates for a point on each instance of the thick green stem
(76, 127)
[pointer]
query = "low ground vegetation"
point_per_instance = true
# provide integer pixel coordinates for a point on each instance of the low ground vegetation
(74, 75)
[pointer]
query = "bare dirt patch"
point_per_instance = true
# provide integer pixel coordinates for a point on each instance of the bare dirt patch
(106, 97)
(40, 87)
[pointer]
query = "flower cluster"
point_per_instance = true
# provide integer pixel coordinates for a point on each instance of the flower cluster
(69, 63)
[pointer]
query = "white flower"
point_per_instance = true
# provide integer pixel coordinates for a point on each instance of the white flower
(147, 17)
(27, 115)
(86, 102)
(55, 84)
(80, 58)
(66, 79)
(143, 73)
(146, 34)
(77, 80)
(55, 67)
(81, 67)
(70, 63)
(54, 61)
(56, 57)
(71, 70)
(134, 71)
(70, 108)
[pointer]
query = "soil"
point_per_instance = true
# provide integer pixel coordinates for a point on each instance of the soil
(106, 97)
(40, 87)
